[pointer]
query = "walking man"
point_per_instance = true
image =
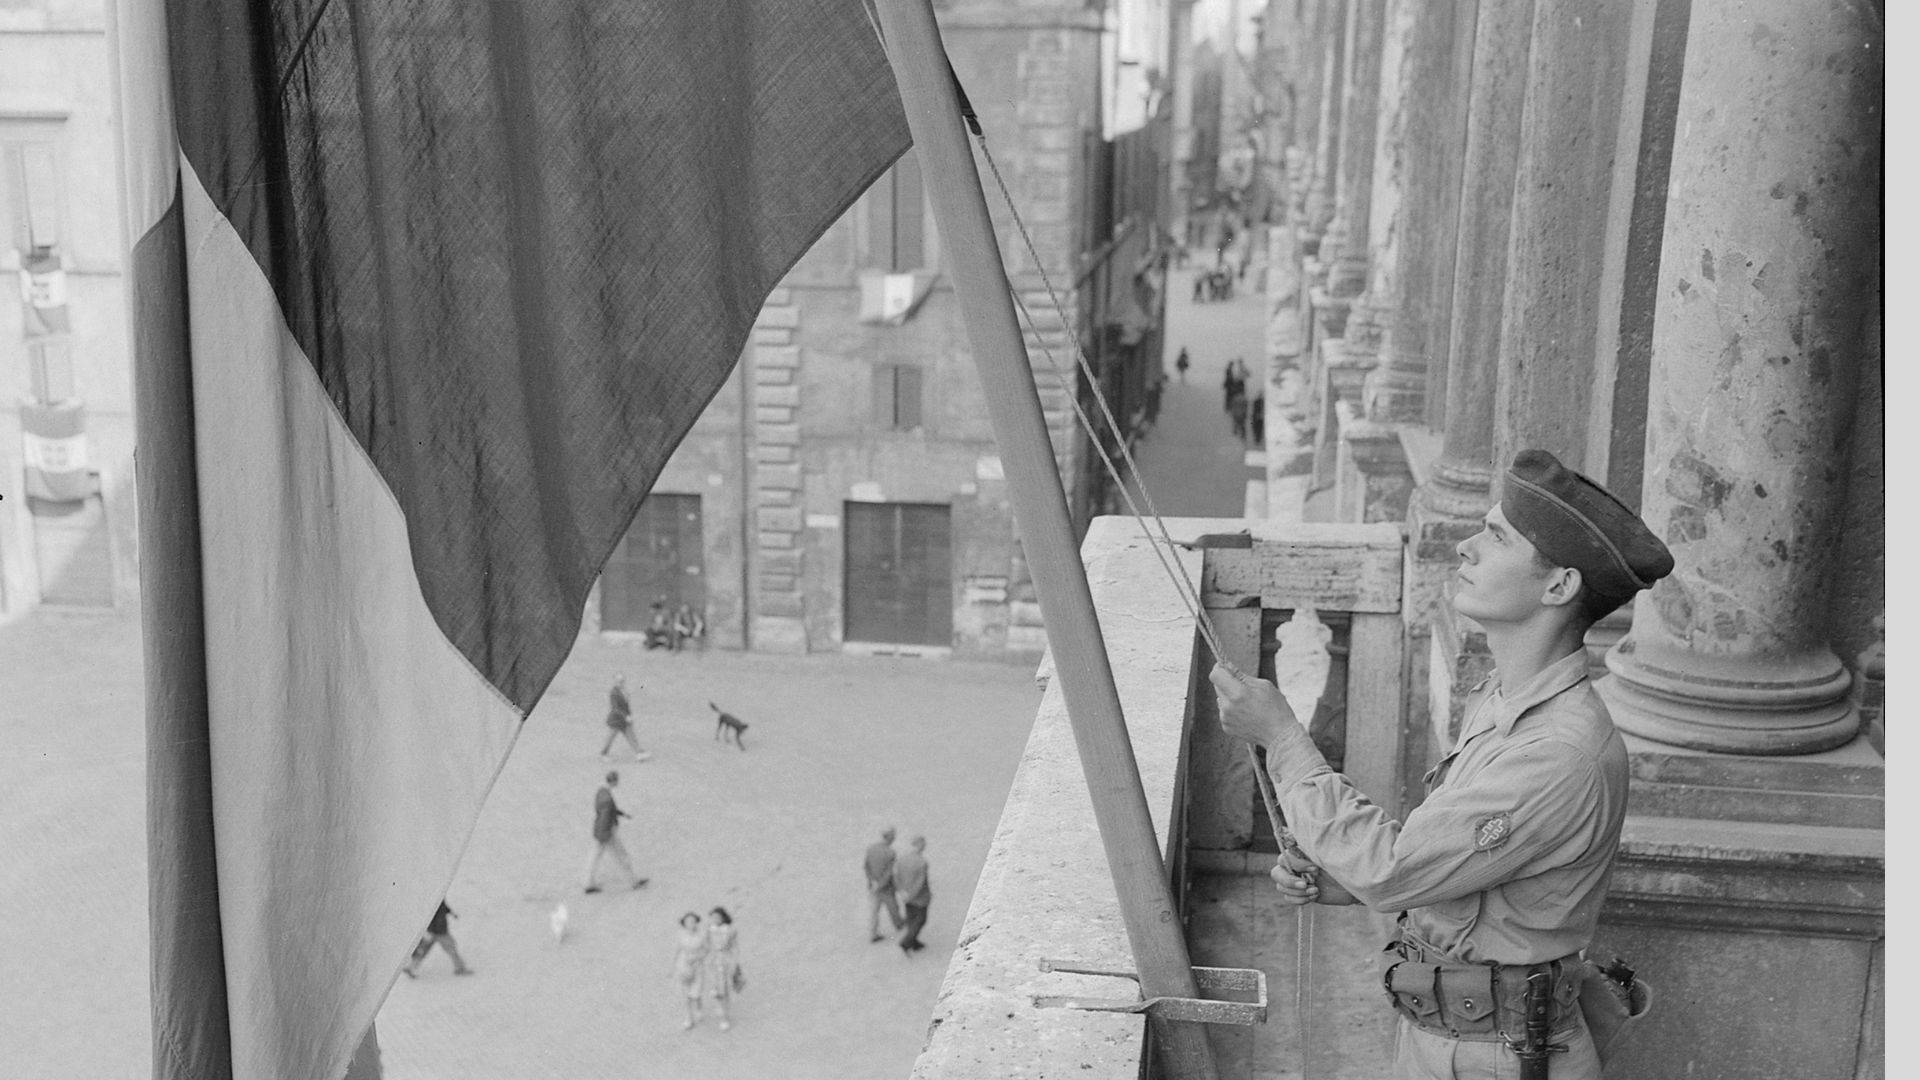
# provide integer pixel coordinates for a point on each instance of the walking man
(437, 935)
(879, 867)
(910, 878)
(1499, 875)
(620, 720)
(606, 834)
(1181, 364)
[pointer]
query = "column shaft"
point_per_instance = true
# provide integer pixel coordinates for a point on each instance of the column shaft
(1463, 476)
(1416, 197)
(1319, 204)
(1569, 133)
(1353, 201)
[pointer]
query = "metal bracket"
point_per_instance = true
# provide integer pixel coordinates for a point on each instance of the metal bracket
(1197, 1010)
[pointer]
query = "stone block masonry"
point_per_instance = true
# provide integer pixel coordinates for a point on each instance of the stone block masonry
(777, 610)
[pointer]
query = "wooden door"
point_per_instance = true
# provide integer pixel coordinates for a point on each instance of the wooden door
(899, 573)
(660, 558)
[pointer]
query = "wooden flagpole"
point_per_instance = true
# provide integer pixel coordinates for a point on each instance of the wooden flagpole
(1039, 502)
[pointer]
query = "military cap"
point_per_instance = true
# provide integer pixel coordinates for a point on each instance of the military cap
(1575, 522)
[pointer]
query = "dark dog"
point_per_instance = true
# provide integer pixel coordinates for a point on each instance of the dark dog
(728, 724)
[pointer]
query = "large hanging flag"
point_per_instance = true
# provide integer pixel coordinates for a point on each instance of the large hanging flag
(427, 291)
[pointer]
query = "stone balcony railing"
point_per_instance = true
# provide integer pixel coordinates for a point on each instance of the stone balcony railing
(1045, 892)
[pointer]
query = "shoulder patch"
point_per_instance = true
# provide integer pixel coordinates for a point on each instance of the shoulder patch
(1492, 831)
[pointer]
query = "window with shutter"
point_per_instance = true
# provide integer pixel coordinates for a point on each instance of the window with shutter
(897, 397)
(896, 218)
(29, 188)
(906, 397)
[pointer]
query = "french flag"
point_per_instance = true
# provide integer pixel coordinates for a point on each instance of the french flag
(427, 292)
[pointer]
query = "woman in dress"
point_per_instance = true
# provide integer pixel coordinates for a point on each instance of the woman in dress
(689, 966)
(723, 962)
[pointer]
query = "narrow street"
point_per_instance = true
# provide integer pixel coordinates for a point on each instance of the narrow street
(1190, 462)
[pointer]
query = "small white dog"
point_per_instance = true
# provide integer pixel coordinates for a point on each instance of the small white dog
(558, 920)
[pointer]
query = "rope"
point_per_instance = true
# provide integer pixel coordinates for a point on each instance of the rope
(1176, 571)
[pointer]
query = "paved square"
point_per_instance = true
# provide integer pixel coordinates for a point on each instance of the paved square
(838, 746)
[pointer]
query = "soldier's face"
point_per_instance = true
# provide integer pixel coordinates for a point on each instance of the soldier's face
(1500, 580)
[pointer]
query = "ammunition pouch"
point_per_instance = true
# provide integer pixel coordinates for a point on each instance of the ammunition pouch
(1477, 1002)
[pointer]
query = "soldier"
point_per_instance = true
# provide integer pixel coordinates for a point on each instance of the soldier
(1499, 875)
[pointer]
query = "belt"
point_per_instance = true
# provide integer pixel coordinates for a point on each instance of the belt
(1476, 1002)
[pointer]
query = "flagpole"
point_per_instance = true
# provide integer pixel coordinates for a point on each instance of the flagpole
(972, 255)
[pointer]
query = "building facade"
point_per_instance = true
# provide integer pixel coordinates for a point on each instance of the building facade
(845, 490)
(66, 409)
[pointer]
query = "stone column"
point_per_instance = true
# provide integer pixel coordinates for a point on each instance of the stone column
(1350, 234)
(1422, 142)
(1569, 135)
(1304, 77)
(1376, 256)
(1771, 248)
(1447, 507)
(1462, 479)
(1319, 202)
(1371, 478)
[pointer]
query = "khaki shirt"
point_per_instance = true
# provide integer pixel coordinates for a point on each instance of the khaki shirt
(1509, 857)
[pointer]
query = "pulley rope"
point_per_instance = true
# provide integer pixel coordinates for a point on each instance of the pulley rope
(1176, 570)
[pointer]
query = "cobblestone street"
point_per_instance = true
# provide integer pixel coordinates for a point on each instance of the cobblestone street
(838, 746)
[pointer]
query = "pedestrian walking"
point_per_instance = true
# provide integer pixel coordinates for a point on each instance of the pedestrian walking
(1181, 364)
(620, 721)
(722, 976)
(1237, 415)
(1232, 386)
(606, 834)
(690, 965)
(1257, 419)
(437, 934)
(1500, 872)
(879, 868)
(910, 879)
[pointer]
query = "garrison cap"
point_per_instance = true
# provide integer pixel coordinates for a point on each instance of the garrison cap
(1576, 522)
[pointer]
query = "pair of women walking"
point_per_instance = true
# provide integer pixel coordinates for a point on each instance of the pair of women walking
(706, 964)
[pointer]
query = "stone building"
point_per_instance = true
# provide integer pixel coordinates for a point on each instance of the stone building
(66, 409)
(844, 490)
(1646, 237)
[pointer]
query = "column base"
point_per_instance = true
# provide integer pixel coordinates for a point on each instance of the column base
(1372, 481)
(1396, 391)
(1754, 705)
(1349, 274)
(1462, 491)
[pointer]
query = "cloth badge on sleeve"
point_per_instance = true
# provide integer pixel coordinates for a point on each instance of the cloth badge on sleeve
(1492, 831)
